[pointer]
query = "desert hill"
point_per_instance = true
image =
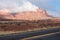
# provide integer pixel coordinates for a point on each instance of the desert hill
(26, 15)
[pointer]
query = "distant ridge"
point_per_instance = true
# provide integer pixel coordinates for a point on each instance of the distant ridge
(26, 15)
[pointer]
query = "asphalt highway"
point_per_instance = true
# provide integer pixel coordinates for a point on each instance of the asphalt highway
(20, 36)
(50, 36)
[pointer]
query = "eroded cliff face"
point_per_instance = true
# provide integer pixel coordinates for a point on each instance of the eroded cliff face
(26, 15)
(4, 14)
(33, 15)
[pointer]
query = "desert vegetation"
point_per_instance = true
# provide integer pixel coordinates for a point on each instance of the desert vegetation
(20, 25)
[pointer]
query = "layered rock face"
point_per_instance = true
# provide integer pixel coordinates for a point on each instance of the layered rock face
(27, 15)
(4, 14)
(33, 15)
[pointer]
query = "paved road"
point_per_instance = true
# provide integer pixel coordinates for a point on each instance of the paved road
(50, 36)
(28, 34)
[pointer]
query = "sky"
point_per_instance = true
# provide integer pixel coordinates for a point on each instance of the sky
(52, 6)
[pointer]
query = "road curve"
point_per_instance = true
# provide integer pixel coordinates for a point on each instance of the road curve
(28, 34)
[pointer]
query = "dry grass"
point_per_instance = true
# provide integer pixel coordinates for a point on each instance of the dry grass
(29, 30)
(26, 26)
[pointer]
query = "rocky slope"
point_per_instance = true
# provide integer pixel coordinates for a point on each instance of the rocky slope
(27, 15)
(33, 15)
(4, 14)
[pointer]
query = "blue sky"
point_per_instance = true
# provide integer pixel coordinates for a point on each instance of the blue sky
(58, 5)
(52, 6)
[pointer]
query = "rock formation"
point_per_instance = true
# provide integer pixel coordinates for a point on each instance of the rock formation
(42, 17)
(27, 15)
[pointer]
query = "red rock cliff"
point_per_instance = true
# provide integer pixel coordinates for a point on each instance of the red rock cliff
(27, 15)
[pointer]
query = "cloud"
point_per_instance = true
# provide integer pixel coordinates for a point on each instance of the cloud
(27, 6)
(46, 4)
(41, 1)
(15, 6)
